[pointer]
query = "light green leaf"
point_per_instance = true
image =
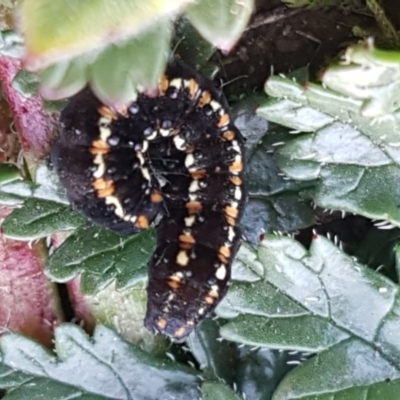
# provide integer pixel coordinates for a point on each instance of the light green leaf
(221, 22)
(57, 30)
(101, 367)
(355, 159)
(138, 61)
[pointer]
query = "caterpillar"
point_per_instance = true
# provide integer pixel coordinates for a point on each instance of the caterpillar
(176, 158)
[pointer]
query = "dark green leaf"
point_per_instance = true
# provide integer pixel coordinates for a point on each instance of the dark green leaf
(192, 48)
(215, 356)
(275, 202)
(103, 367)
(40, 218)
(316, 301)
(102, 257)
(8, 173)
(217, 390)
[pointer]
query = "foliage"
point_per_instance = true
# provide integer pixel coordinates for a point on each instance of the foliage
(303, 319)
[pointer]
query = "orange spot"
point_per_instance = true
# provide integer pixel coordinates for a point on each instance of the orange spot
(180, 332)
(163, 85)
(193, 87)
(106, 112)
(235, 180)
(231, 211)
(101, 184)
(231, 221)
(193, 207)
(187, 238)
(199, 174)
(123, 111)
(209, 300)
(223, 120)
(229, 135)
(142, 222)
(97, 151)
(222, 258)
(156, 197)
(161, 323)
(226, 251)
(104, 188)
(173, 284)
(105, 192)
(205, 98)
(213, 293)
(236, 166)
(185, 246)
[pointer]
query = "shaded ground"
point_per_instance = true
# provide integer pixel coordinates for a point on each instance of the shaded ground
(283, 39)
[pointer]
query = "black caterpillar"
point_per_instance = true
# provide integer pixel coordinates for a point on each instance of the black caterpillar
(177, 155)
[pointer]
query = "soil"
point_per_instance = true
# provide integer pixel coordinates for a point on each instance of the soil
(281, 39)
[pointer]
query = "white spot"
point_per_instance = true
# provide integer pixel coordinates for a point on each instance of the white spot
(201, 310)
(165, 132)
(234, 204)
(112, 200)
(152, 136)
(189, 221)
(236, 147)
(194, 186)
(177, 82)
(105, 133)
(231, 234)
(127, 217)
(215, 105)
(189, 160)
(182, 258)
(180, 143)
(104, 121)
(238, 193)
(192, 197)
(140, 157)
(146, 173)
(98, 160)
(145, 146)
(215, 288)
(170, 297)
(220, 273)
(133, 219)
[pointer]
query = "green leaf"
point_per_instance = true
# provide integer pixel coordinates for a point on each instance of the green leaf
(217, 390)
(45, 209)
(215, 357)
(193, 48)
(275, 202)
(65, 78)
(356, 161)
(40, 218)
(25, 83)
(8, 173)
(368, 74)
(324, 301)
(221, 22)
(11, 44)
(57, 30)
(102, 257)
(139, 61)
(103, 367)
